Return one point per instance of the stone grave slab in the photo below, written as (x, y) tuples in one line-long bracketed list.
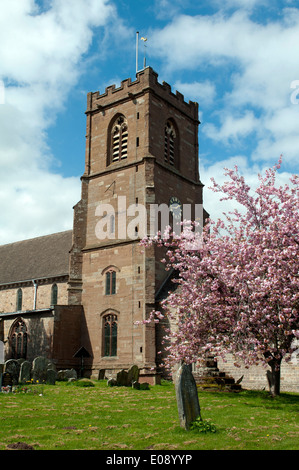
[(187, 397)]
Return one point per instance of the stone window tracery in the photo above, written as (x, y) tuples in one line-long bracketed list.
[(18, 340), (110, 335), (119, 137)]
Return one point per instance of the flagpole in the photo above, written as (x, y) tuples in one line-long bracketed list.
[(137, 39)]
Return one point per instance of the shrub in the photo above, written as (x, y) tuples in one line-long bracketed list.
[(200, 425)]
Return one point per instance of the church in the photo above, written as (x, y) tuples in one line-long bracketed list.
[(79, 294), (85, 289)]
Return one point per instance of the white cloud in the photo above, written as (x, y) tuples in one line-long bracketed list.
[(40, 54), (233, 128), (261, 60), (201, 92)]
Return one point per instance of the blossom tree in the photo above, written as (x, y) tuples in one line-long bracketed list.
[(238, 280)]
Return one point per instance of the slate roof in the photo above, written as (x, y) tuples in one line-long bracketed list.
[(37, 258)]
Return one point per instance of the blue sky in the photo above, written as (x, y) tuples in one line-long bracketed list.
[(238, 59)]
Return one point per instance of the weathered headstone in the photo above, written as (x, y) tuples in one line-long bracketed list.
[(67, 374), (187, 397), (102, 374), (133, 375), (13, 368), (51, 377), (122, 378), (39, 369), (7, 380), (25, 372)]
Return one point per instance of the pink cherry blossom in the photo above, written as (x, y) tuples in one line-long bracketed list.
[(238, 291)]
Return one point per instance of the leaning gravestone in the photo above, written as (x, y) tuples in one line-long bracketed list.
[(122, 378), (25, 372), (187, 397), (133, 375), (13, 368)]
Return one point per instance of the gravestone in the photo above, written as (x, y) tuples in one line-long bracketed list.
[(122, 378), (40, 366), (13, 368), (51, 376), (187, 397), (7, 380), (25, 372), (133, 375), (67, 374)]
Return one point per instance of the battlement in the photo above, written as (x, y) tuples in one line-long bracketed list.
[(146, 79)]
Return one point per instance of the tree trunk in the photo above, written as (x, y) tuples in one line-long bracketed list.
[(273, 377)]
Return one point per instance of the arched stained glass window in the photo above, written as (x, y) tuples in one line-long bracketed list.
[(110, 335)]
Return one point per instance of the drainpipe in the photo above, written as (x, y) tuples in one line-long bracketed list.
[(35, 292)]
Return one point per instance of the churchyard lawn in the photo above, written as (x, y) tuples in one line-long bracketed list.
[(68, 417)]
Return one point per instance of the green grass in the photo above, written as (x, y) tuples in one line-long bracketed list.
[(67, 417)]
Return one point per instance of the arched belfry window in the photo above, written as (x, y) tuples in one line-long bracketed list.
[(170, 143), (119, 139), (18, 340), (110, 282), (110, 335)]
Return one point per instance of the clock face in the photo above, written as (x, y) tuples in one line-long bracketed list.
[(175, 207)]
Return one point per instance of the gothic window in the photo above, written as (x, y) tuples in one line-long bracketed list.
[(110, 282), (54, 294), (170, 143), (18, 340), (19, 300), (110, 335), (119, 140)]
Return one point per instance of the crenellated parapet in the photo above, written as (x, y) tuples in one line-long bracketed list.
[(146, 80)]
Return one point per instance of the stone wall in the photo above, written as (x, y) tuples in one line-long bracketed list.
[(255, 377), (8, 295)]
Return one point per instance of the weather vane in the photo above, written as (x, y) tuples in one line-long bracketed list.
[(137, 43)]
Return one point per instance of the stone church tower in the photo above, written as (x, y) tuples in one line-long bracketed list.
[(141, 151)]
